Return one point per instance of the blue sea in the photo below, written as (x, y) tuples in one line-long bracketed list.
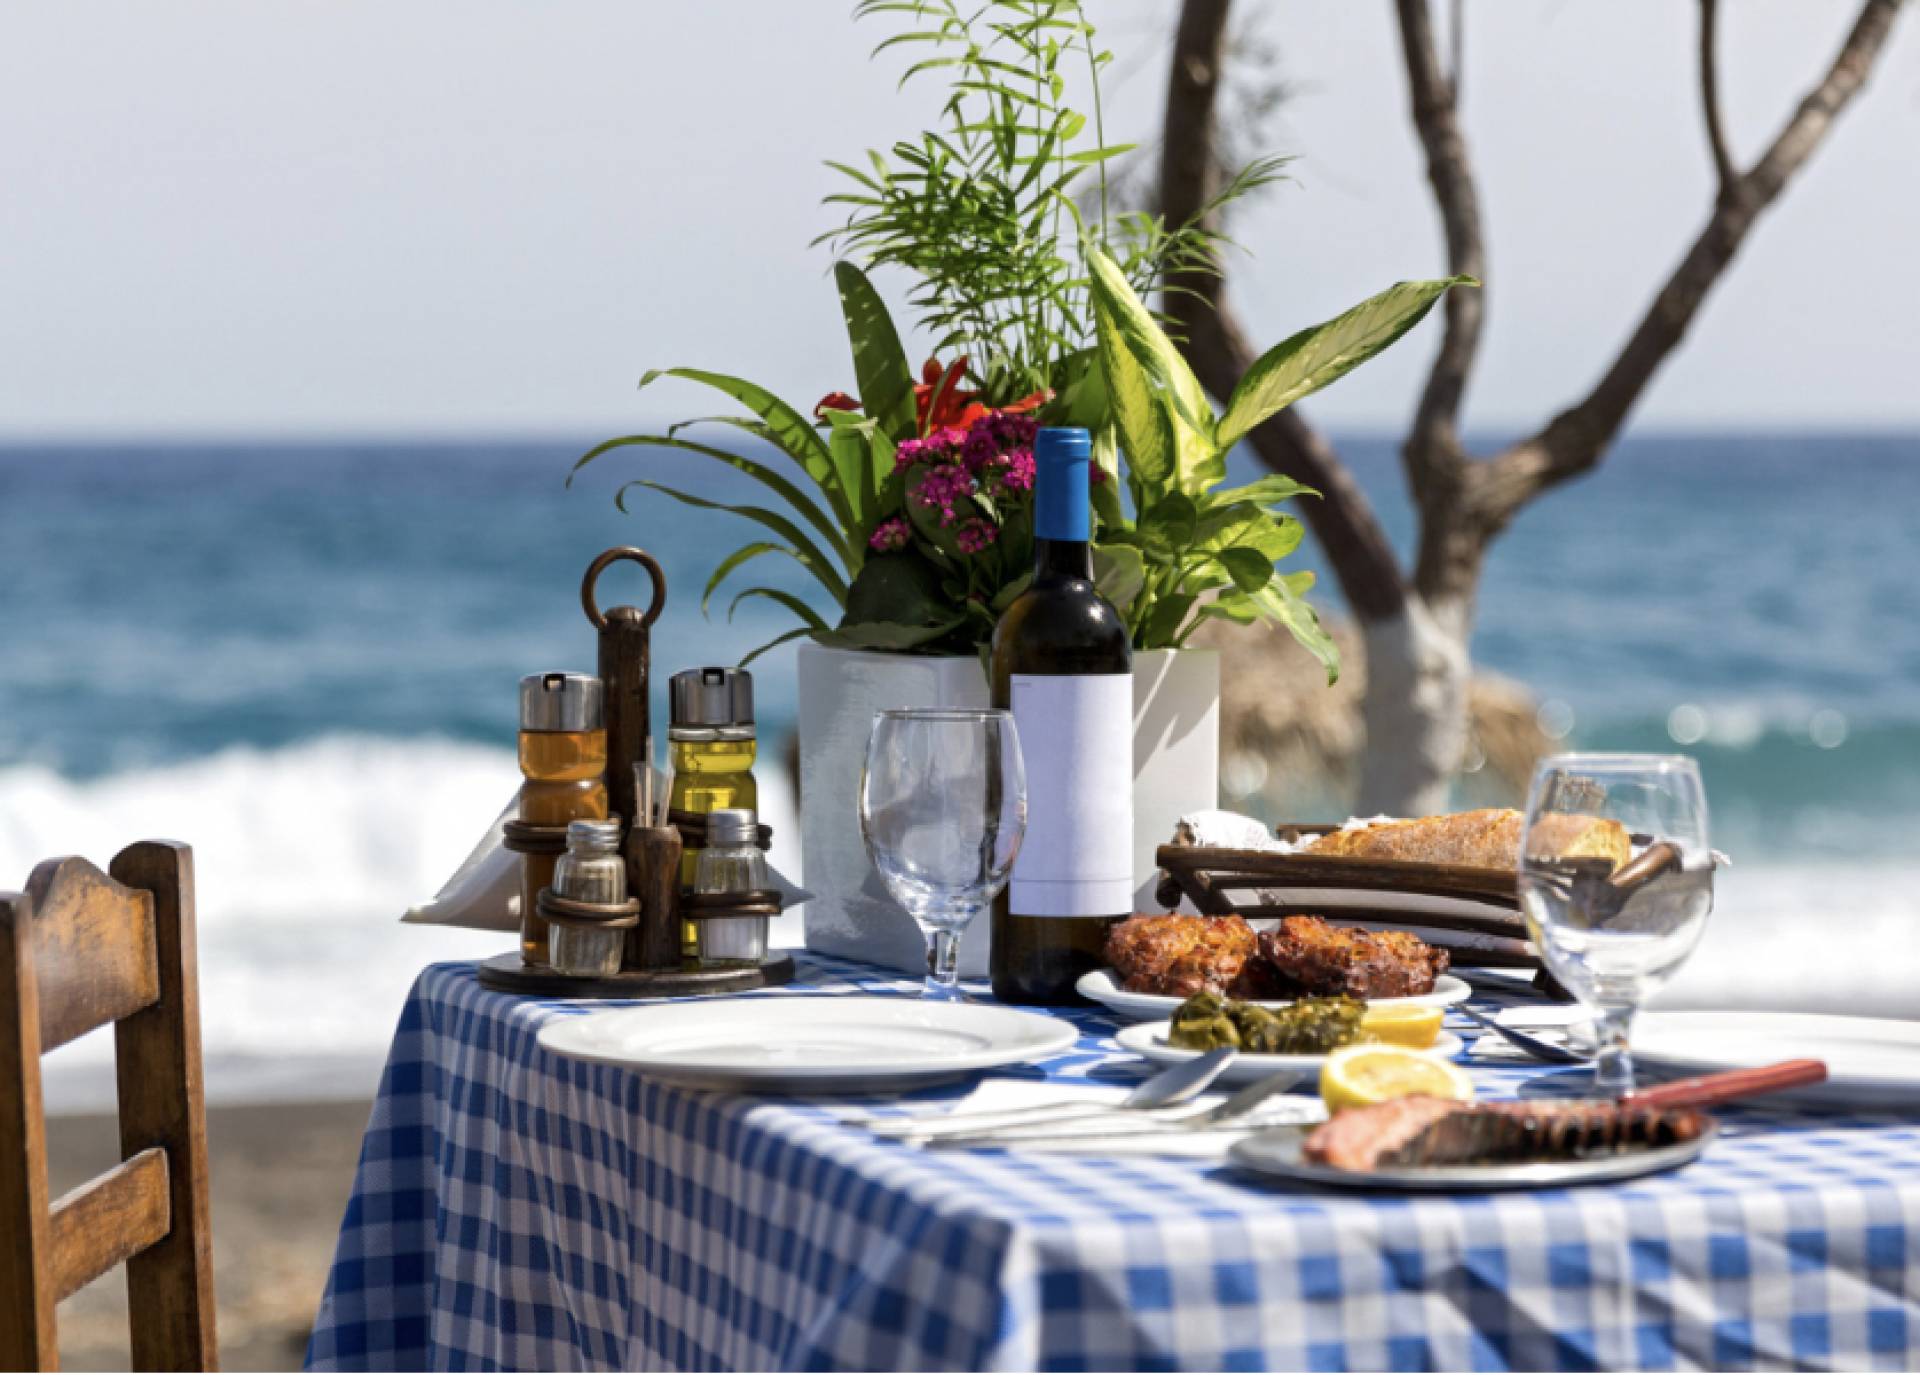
[(302, 659)]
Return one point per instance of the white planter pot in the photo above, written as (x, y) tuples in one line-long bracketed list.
[(1176, 770)]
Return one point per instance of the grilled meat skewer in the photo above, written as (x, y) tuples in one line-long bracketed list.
[(1438, 1131)]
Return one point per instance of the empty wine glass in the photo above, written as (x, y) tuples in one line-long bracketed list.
[(1616, 881), (943, 807)]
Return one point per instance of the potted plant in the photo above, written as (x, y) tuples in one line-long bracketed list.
[(909, 501)]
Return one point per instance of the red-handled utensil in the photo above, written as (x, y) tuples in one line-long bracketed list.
[(1709, 1090)]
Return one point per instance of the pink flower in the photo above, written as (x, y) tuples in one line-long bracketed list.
[(976, 535), (943, 486), (890, 536), (1017, 475), (940, 447)]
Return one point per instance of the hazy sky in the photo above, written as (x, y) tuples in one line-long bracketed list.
[(365, 218)]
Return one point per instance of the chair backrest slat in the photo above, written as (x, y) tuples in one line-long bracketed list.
[(93, 950), (81, 950), (108, 1219)]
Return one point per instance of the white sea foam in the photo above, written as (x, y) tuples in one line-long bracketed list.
[(307, 855), (305, 858)]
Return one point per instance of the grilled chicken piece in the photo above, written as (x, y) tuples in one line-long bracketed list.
[(1179, 956), (1438, 1131), (1324, 959)]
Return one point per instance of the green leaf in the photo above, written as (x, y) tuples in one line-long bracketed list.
[(884, 635), (775, 643), (1106, 493), (835, 536), (1143, 423), (848, 445), (1283, 600), (879, 362), (1168, 524), (1266, 491), (1119, 572), (1323, 353), (1162, 628), (1004, 598), (903, 588), (788, 428), (1250, 569), (733, 561), (786, 599), (803, 549), (1273, 534), (1199, 459)]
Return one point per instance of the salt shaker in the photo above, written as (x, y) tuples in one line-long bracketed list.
[(591, 870), (732, 863)]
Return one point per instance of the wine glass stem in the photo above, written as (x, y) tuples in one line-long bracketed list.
[(943, 963), (1613, 1067)]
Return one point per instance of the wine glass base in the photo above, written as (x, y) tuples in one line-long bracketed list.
[(933, 991)]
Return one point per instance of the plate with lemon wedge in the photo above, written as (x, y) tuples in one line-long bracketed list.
[(1360, 1052)]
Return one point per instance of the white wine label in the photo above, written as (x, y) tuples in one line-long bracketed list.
[(1076, 734)]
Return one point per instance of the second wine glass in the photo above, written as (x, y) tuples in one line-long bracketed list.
[(943, 808), (1616, 880)]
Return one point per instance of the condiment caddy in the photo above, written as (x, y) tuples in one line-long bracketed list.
[(573, 819)]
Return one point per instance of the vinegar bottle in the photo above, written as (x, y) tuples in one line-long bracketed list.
[(563, 758), (1063, 664), (713, 745)]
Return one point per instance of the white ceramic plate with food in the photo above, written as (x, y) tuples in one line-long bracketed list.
[(1279, 1153), (1872, 1062), (810, 1044), (1103, 986), (1150, 1039)]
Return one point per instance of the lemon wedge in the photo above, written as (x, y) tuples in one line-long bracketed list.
[(1402, 1024), (1361, 1075)]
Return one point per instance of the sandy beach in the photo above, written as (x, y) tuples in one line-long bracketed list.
[(281, 1175)]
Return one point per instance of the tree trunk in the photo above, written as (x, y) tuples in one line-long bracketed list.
[(1415, 709)]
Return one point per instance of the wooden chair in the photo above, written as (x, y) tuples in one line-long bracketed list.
[(79, 950)]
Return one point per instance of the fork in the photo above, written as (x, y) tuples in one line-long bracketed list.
[(1222, 1115), (1169, 1088)]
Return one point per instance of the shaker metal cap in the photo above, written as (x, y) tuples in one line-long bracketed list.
[(711, 697), (562, 701), (591, 833), (732, 826)]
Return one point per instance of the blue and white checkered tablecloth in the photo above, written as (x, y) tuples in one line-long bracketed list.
[(515, 1209)]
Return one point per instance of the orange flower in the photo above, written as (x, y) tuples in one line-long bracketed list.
[(942, 405), (938, 400), (835, 401)]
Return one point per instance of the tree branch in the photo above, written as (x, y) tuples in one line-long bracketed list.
[(1342, 520), (1723, 168), (1574, 440), (1433, 454)]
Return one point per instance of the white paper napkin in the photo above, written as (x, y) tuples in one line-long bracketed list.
[(995, 1094)]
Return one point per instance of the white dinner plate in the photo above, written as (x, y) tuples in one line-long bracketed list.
[(1150, 1039), (1279, 1153), (810, 1044), (1872, 1062), (1103, 986)]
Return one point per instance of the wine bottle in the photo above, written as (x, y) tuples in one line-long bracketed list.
[(1063, 665)]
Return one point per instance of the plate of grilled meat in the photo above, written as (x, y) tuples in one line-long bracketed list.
[(1427, 1142), (1158, 962), (1422, 1143)]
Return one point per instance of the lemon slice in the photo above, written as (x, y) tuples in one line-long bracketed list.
[(1362, 1075), (1402, 1024)]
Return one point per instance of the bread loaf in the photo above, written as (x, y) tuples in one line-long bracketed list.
[(1485, 839)]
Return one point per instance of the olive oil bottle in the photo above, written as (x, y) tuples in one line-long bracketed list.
[(713, 746), (1063, 664)]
